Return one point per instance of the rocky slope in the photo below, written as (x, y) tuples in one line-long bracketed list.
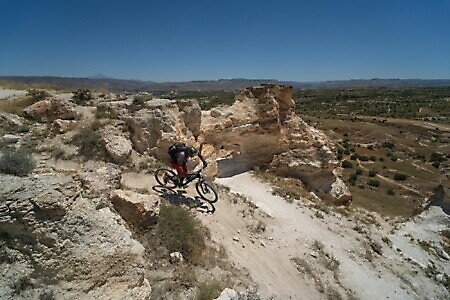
[(84, 223)]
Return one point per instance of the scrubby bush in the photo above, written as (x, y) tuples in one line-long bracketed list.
[(180, 231), (363, 158), (16, 162), (209, 290), (374, 183), (352, 178), (347, 165), (141, 99), (359, 171), (391, 192), (354, 156), (81, 96), (400, 176), (372, 173), (88, 141), (37, 95), (436, 164)]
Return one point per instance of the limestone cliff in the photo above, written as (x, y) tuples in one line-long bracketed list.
[(261, 128)]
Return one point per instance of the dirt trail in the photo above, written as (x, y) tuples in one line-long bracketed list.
[(295, 251), (306, 254)]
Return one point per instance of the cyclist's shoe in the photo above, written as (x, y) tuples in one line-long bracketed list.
[(175, 180)]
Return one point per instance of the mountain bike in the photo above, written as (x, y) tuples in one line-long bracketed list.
[(167, 177)]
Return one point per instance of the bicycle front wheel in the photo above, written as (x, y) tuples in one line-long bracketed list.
[(163, 177), (207, 191)]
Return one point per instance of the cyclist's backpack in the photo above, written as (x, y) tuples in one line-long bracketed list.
[(175, 148)]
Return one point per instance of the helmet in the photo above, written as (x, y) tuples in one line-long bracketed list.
[(192, 150)]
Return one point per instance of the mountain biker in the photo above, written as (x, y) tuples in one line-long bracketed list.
[(179, 155)]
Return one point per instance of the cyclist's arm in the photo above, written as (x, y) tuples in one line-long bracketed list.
[(201, 156)]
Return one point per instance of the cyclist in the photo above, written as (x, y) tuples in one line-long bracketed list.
[(179, 155)]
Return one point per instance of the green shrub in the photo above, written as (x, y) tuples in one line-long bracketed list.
[(400, 176), (363, 158), (436, 164), (37, 95), (354, 156), (141, 99), (359, 171), (372, 173), (391, 192), (16, 162), (105, 112), (180, 231), (209, 290), (347, 165), (352, 178), (374, 183), (88, 141), (81, 96), (373, 158)]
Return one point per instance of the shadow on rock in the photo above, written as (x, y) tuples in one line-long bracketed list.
[(179, 197)]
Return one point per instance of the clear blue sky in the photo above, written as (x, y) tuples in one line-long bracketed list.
[(163, 40)]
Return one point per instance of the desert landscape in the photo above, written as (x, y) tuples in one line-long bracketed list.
[(324, 193)]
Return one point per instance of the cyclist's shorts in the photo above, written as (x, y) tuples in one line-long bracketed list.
[(176, 167)]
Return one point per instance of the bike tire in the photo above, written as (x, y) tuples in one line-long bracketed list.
[(207, 191), (163, 177)]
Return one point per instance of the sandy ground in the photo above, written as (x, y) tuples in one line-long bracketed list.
[(296, 251), (11, 94)]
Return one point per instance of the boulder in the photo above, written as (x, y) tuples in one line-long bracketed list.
[(228, 294), (49, 110), (99, 178), (116, 142), (136, 209), (10, 138), (62, 126), (8, 120)]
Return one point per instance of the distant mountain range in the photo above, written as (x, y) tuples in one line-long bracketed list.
[(100, 81)]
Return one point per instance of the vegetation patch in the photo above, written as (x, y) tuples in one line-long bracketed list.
[(181, 231), (88, 141), (208, 290), (16, 106), (400, 176), (16, 162), (82, 96)]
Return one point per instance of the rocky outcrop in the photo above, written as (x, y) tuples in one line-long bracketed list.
[(10, 138), (10, 121), (117, 142), (136, 209), (99, 178), (158, 123), (56, 244), (49, 110), (261, 128), (62, 126)]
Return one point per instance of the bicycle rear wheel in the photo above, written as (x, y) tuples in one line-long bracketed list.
[(163, 177), (207, 191)]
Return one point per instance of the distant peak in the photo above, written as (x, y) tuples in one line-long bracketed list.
[(99, 76)]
